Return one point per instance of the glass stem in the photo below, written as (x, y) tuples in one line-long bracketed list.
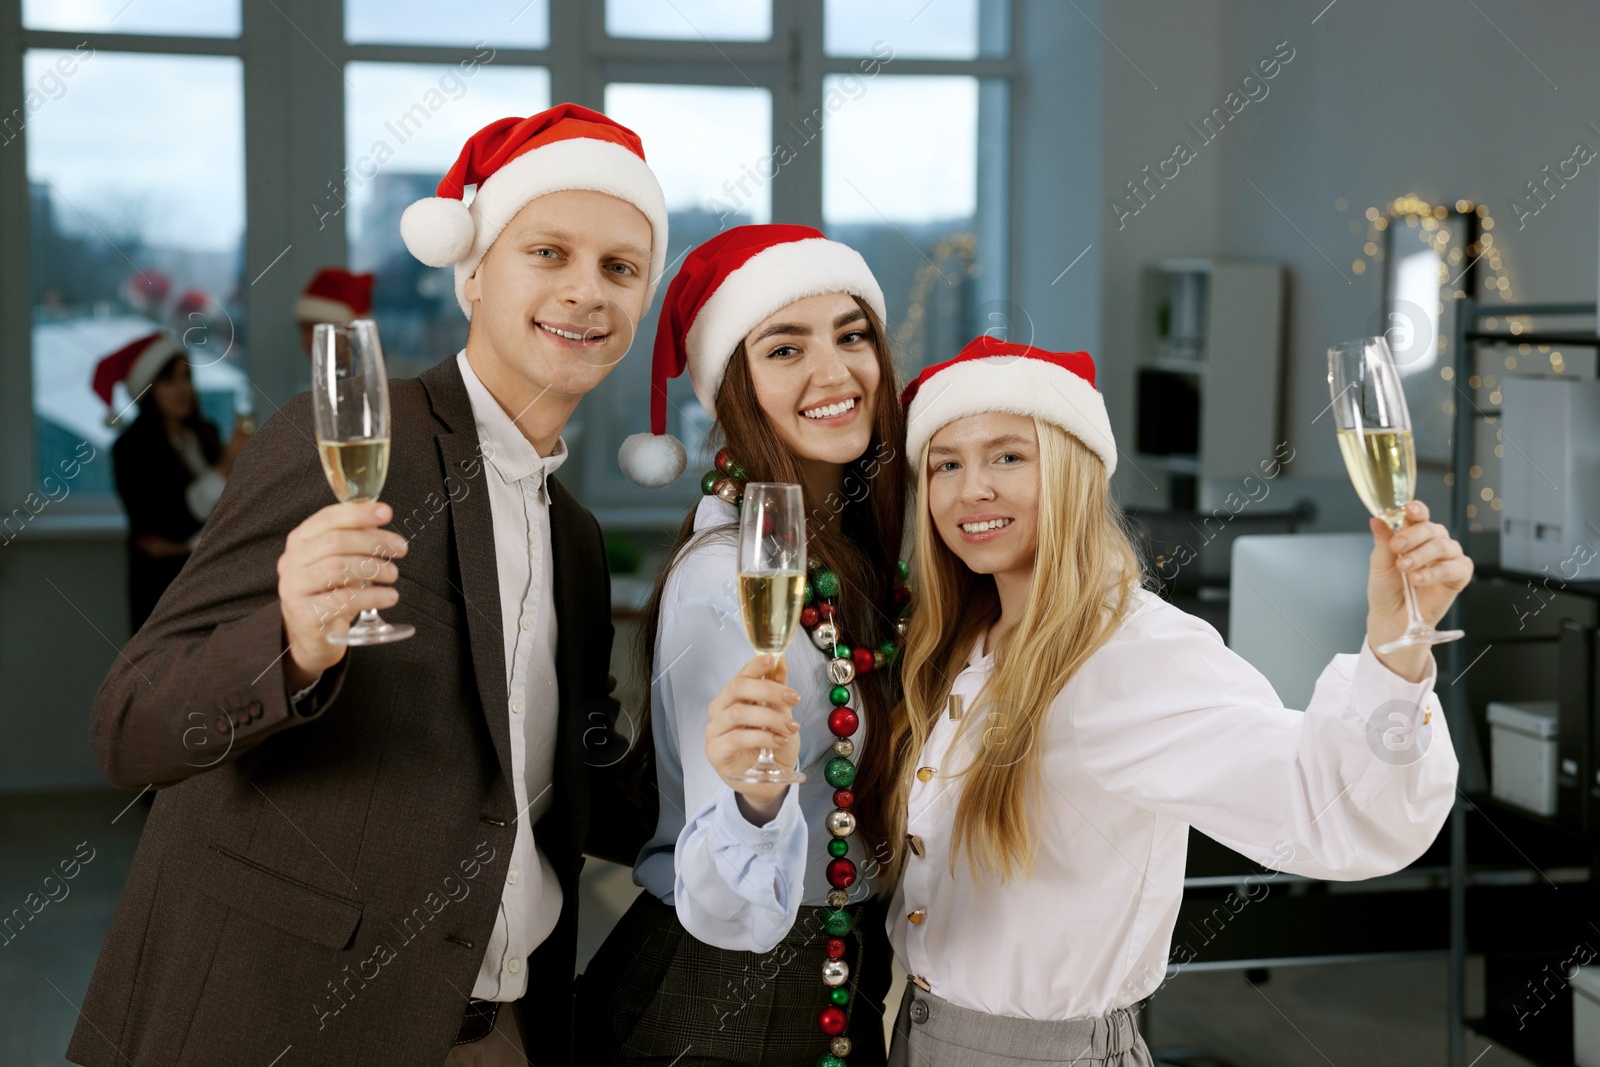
[(1413, 614)]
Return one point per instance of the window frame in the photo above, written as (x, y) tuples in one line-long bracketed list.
[(294, 54)]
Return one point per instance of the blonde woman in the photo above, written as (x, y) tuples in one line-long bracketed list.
[(1062, 729)]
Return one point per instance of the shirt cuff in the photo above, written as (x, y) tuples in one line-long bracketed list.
[(302, 694), (1373, 683), (732, 826)]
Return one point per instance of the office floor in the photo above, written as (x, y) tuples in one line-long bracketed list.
[(1354, 1015)]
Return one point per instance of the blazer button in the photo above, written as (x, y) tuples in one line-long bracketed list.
[(919, 1011), (924, 774), (255, 710), (916, 917), (222, 724), (915, 844)]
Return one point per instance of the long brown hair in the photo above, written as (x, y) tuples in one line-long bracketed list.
[(1085, 572), (863, 550)]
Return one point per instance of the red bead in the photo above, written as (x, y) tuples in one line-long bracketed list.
[(901, 594), (843, 722), (843, 798), (808, 617), (862, 658), (841, 873), (832, 1020), (723, 460), (835, 948), (827, 611)]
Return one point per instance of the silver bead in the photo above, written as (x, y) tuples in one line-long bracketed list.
[(844, 747), (879, 660), (838, 898), (902, 626), (835, 972), (841, 671), (840, 1046), (825, 635), (841, 823), (729, 490)]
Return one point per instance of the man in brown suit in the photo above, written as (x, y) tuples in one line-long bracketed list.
[(338, 868)]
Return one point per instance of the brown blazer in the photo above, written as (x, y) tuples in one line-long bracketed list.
[(327, 882)]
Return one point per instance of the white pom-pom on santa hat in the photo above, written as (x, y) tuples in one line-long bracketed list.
[(653, 461), (438, 230)]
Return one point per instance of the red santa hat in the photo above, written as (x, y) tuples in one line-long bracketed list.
[(136, 364), (725, 288), (147, 288), (515, 160), (193, 301), (994, 375), (335, 295)]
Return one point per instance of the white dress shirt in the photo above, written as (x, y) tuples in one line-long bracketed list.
[(734, 885), (515, 476), (1163, 728)]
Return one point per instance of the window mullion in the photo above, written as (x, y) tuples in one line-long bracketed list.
[(16, 289), (797, 185), (294, 186), (574, 75)]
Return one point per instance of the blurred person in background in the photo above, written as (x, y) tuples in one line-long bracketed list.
[(170, 463)]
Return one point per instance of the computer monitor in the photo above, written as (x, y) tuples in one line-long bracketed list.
[(1295, 601)]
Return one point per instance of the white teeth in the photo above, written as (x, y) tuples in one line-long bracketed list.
[(981, 527), (830, 411), (568, 334)]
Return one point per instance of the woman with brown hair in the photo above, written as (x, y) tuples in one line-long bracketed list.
[(759, 935), (1063, 728)]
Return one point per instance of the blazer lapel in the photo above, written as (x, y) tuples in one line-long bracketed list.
[(473, 524)]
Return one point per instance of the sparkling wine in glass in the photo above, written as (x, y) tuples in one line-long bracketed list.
[(350, 402), (772, 589), (1374, 428)]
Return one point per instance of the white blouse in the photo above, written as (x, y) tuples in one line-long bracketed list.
[(1163, 728), (734, 884)]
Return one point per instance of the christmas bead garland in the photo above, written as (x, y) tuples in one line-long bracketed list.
[(819, 618)]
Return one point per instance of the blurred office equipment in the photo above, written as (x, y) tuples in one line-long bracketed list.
[(1550, 522), (1522, 754), (1210, 346)]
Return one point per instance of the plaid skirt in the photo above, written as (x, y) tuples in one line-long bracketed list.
[(654, 995)]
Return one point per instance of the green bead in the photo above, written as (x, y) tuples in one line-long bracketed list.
[(839, 772), (827, 583), (837, 922), (890, 650), (840, 996), (841, 650), (838, 847), (708, 482), (903, 569), (828, 1059), (810, 593), (737, 472), (839, 695)]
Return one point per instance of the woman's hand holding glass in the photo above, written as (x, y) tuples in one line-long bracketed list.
[(753, 712), (1423, 554)]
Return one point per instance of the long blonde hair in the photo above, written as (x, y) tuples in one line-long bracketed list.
[(1085, 573)]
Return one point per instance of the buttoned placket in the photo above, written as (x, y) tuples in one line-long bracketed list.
[(532, 494), (930, 788)]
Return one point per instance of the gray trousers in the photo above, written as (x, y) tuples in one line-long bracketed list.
[(932, 1032)]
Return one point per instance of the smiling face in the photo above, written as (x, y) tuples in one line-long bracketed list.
[(983, 491), (557, 299), (814, 366)]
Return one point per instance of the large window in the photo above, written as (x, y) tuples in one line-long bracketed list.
[(883, 124)]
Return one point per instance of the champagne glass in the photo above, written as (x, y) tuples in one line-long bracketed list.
[(772, 589), (1374, 426), (350, 402)]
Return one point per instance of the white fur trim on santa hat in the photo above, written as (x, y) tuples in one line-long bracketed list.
[(151, 359), (437, 230), (1015, 384), (653, 461), (322, 309), (767, 281), (577, 163)]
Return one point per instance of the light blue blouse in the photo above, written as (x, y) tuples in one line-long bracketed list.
[(734, 884)]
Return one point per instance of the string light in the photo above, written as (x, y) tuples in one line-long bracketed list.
[(1423, 218)]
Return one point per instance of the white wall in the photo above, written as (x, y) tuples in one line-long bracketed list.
[(1380, 99)]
